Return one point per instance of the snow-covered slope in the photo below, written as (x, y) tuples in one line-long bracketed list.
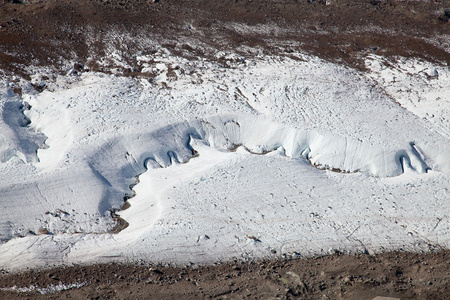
[(269, 156)]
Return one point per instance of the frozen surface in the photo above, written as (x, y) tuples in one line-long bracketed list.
[(267, 157), (419, 86)]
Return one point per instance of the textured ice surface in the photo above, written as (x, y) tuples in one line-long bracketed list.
[(273, 156)]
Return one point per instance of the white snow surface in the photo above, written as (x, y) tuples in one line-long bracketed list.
[(268, 157), (419, 86)]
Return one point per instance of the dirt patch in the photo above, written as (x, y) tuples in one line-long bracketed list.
[(397, 274), (52, 33)]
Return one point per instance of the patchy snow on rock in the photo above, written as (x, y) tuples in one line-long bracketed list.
[(264, 158), (50, 289)]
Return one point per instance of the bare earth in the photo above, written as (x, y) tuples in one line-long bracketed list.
[(50, 33), (399, 275)]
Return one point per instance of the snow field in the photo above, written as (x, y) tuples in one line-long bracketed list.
[(389, 188)]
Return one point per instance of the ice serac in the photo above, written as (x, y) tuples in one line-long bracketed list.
[(171, 144), (163, 147), (332, 152), (135, 153), (17, 139)]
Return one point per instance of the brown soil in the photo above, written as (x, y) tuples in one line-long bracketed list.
[(53, 32), (398, 275)]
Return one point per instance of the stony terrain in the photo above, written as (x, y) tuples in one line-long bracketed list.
[(50, 32), (398, 275)]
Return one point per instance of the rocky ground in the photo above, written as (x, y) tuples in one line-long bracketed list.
[(59, 34), (397, 275), (50, 32)]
